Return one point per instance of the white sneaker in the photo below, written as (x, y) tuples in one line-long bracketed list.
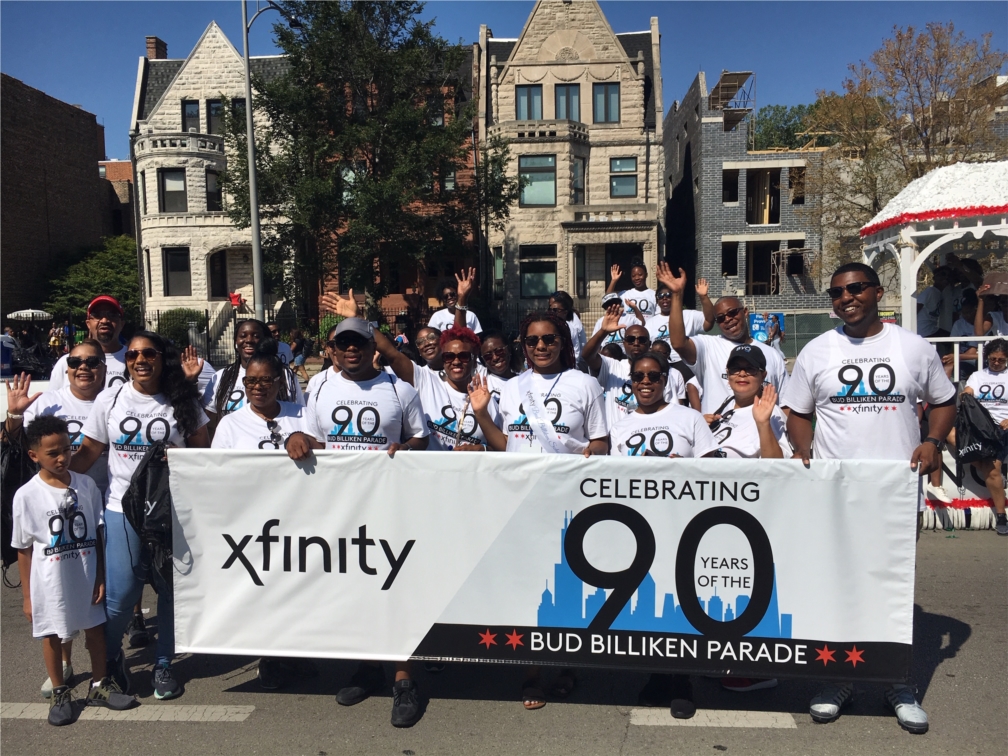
[(826, 706), (47, 686), (937, 493), (910, 715)]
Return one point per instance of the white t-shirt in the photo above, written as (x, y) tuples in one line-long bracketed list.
[(316, 380), (63, 539), (206, 375), (616, 337), (711, 369), (578, 336), (572, 400), (964, 328), (614, 377), (927, 318), (129, 422), (364, 415), (645, 301), (442, 406), (864, 392), (657, 326), (443, 320), (496, 384), (991, 390), (244, 429), (115, 370), (738, 435), (284, 353), (237, 398), (998, 324), (675, 430), (62, 403), (951, 304)]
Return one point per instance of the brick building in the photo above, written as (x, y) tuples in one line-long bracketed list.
[(52, 201), (739, 218), (117, 179), (581, 109)]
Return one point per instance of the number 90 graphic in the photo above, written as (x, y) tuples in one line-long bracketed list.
[(624, 582)]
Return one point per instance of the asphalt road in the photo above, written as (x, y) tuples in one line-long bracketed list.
[(961, 669)]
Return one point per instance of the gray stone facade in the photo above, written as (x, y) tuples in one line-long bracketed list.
[(710, 234)]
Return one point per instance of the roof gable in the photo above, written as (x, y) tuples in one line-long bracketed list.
[(561, 30)]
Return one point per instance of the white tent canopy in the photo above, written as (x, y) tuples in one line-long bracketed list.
[(946, 205), (29, 315)]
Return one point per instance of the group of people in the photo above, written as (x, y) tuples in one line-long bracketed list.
[(677, 392)]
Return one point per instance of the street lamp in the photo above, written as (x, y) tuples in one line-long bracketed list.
[(258, 292)]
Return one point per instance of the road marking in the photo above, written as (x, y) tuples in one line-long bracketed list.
[(715, 718), (147, 713)]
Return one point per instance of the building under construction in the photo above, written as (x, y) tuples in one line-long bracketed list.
[(738, 217)]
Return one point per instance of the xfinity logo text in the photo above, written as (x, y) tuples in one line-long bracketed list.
[(304, 542)]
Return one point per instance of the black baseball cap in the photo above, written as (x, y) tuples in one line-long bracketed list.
[(610, 299), (747, 354)]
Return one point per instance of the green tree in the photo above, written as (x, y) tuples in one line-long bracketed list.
[(358, 148), (110, 270), (780, 126)]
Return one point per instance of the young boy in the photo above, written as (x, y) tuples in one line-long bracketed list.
[(56, 519)]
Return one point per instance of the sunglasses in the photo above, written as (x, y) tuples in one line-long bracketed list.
[(498, 353), (428, 340), (104, 315), (653, 376), (663, 295), (343, 343), (548, 340), (92, 362), (264, 381), (462, 357), (747, 369), (835, 292), (276, 438), (727, 314), (637, 339), (149, 353)]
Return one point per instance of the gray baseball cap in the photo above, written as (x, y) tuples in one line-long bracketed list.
[(610, 299), (354, 325)]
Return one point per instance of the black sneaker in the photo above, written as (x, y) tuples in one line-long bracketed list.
[(165, 684), (61, 706), (106, 693), (1001, 525), (681, 690), (137, 632), (117, 671), (269, 677), (405, 704), (657, 692), (366, 681)]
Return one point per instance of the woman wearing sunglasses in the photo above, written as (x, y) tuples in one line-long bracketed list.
[(659, 428), (497, 358), (750, 424), (990, 387), (226, 392), (85, 378), (444, 394), (157, 404)]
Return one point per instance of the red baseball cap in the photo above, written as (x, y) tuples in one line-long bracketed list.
[(105, 299)]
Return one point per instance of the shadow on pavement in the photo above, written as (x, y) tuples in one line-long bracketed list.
[(937, 637)]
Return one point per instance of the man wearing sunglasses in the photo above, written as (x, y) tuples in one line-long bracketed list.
[(695, 322), (105, 322), (706, 355), (860, 385)]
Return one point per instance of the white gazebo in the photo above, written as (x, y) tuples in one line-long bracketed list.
[(962, 208)]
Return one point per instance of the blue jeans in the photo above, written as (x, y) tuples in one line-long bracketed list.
[(124, 582)]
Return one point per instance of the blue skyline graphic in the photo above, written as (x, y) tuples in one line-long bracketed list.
[(566, 607)]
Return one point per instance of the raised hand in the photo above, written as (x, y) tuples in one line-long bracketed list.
[(702, 287), (632, 304), (611, 318), (465, 284), (18, 398), (479, 394), (615, 273), (337, 304), (763, 404), (192, 365), (677, 284)]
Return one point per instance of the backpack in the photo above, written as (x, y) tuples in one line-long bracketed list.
[(16, 469), (147, 505), (977, 435)]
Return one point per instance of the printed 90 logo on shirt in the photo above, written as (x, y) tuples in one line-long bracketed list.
[(871, 384), (659, 445)]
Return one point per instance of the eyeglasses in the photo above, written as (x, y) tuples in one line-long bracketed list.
[(997, 360), (548, 339), (663, 295), (727, 314), (835, 292), (449, 294), (462, 357), (149, 353), (265, 381), (653, 376), (637, 339), (747, 369), (428, 340), (276, 438), (498, 353), (104, 315), (345, 342), (92, 362)]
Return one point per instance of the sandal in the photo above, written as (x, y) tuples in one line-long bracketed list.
[(564, 685), (532, 696)]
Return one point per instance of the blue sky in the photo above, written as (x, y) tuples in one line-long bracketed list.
[(86, 52)]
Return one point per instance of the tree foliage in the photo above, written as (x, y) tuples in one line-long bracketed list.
[(925, 99), (110, 270), (780, 126), (358, 147)]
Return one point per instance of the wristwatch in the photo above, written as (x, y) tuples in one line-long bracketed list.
[(933, 440)]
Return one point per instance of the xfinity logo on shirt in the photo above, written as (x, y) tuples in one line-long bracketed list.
[(322, 551)]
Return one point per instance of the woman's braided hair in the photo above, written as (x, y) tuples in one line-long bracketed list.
[(229, 377), (567, 359)]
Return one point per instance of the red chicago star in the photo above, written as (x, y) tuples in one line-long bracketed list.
[(825, 654), (488, 638), (854, 656), (514, 639)]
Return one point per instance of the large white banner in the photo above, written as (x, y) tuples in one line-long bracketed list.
[(758, 567)]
